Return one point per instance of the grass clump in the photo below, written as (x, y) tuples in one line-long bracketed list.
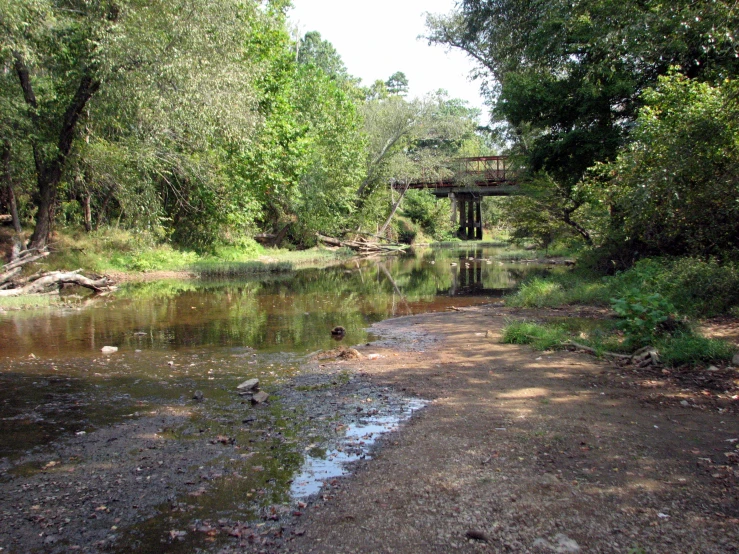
[(560, 289), (541, 337), (215, 269), (688, 348)]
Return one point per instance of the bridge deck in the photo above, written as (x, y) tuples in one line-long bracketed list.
[(481, 176)]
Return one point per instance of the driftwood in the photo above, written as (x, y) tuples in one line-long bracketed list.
[(44, 281), (362, 246), (642, 357), (594, 351)]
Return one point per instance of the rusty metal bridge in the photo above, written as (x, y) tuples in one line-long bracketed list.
[(465, 181)]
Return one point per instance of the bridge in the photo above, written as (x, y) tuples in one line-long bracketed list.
[(465, 182)]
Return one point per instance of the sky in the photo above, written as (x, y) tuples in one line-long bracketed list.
[(376, 39)]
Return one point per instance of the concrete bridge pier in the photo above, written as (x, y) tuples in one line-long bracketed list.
[(470, 215)]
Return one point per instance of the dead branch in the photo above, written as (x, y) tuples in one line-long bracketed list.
[(596, 352), (23, 259)]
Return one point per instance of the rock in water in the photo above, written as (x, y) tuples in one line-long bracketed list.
[(259, 398), (251, 384), (109, 349)]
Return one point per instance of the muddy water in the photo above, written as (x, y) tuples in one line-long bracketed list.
[(175, 338)]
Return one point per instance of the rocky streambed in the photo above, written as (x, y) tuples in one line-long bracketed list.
[(199, 473)]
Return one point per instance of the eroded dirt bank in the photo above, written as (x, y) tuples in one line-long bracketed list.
[(521, 451)]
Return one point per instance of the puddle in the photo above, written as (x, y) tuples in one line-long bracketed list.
[(356, 445)]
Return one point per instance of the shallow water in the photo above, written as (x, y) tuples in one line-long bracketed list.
[(175, 338)]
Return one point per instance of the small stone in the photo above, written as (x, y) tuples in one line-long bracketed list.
[(712, 368), (260, 398), (684, 403), (198, 396), (109, 349), (476, 535), (251, 384), (735, 359)]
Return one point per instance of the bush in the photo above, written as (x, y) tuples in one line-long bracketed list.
[(697, 288), (641, 316)]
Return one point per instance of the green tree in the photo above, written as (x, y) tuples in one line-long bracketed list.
[(397, 83), (675, 188), (312, 49), (565, 78), (142, 77)]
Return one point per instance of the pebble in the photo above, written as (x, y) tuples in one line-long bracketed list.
[(250, 384)]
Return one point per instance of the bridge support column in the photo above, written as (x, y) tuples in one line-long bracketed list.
[(478, 218), (462, 216), (470, 219), (453, 198)]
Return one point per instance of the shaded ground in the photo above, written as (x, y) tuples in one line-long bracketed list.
[(533, 452)]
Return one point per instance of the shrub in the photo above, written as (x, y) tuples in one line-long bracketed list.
[(697, 288), (641, 316)]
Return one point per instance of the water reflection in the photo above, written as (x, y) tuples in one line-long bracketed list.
[(288, 313)]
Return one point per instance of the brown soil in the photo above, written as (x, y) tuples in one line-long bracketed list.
[(523, 451)]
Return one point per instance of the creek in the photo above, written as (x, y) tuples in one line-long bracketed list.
[(57, 388)]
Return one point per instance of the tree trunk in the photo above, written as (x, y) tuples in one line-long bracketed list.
[(49, 171), (87, 211), (395, 209)]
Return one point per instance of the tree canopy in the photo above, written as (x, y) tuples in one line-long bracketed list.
[(568, 80), (201, 123)]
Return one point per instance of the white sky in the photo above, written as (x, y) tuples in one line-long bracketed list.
[(376, 39)]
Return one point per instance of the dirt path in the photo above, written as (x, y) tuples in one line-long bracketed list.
[(521, 451)]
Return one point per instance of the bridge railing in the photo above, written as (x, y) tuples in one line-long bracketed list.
[(483, 170)]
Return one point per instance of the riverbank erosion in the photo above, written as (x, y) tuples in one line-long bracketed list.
[(520, 451)]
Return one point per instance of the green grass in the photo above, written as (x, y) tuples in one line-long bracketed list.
[(31, 301), (120, 250), (560, 289), (681, 349), (216, 269), (692, 349), (541, 337)]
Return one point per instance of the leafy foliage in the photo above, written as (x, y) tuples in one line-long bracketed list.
[(567, 81), (641, 316), (674, 188)]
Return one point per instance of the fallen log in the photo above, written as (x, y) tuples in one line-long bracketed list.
[(59, 278), (6, 276)]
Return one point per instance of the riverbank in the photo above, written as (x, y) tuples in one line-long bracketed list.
[(524, 451)]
